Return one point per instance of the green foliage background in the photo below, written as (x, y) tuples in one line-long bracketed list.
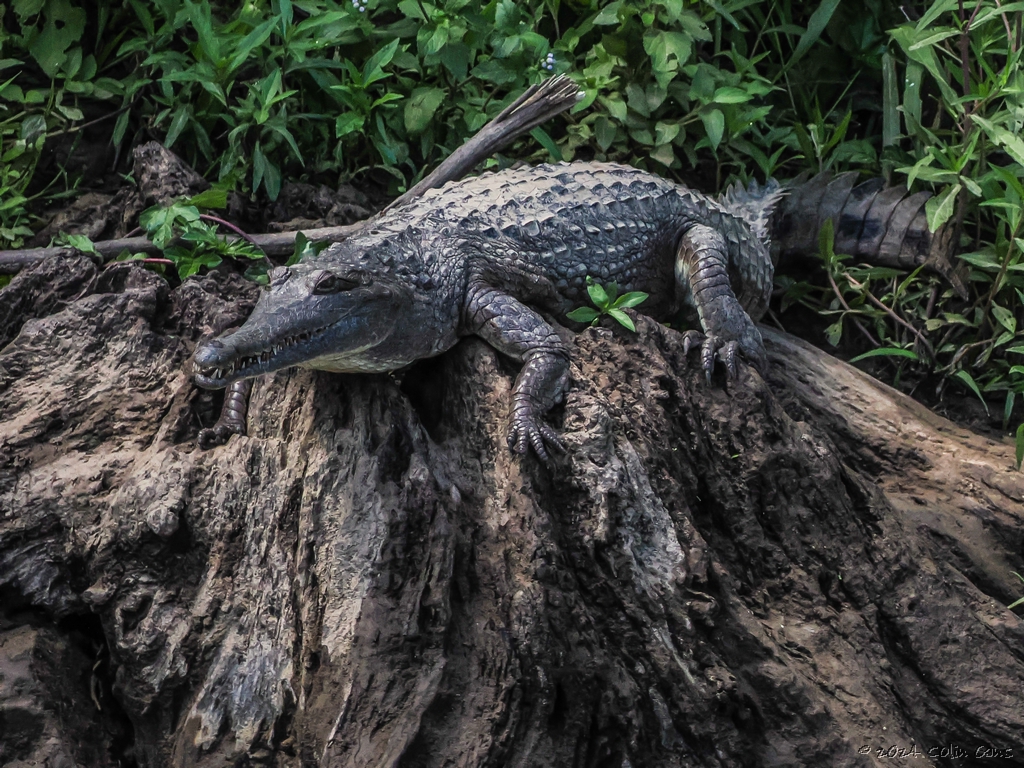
[(252, 94)]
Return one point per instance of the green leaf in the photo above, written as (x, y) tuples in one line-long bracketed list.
[(456, 57), (495, 71), (189, 264), (178, 123), (826, 243), (583, 315), (211, 198), (199, 15), (71, 113), (714, 124), (905, 37), (730, 95), (64, 26), (939, 209), (420, 109), (664, 154), (890, 101), (1005, 318), (305, 248), (120, 127), (604, 132), (80, 243), (668, 50), (631, 299), (1020, 458), (609, 15), (938, 8), (887, 352), (259, 167), (598, 295), (967, 379), (374, 69), (251, 41), (1011, 142), (912, 97), (624, 320), (834, 333), (26, 8), (349, 122), (412, 10), (615, 105), (1011, 397), (545, 140), (815, 26), (665, 133)]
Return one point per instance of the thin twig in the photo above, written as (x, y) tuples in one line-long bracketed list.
[(856, 321), (1009, 31), (964, 49), (228, 225), (920, 336), (83, 126), (932, 298)]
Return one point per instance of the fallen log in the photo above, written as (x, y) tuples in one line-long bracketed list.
[(808, 570)]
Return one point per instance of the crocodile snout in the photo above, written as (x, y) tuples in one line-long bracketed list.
[(210, 353)]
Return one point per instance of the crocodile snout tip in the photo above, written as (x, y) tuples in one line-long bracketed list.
[(209, 353)]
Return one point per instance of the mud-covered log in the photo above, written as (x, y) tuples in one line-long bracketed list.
[(798, 571)]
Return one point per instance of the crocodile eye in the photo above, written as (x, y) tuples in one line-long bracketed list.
[(328, 282)]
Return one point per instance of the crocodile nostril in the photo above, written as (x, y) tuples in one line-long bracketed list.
[(209, 353)]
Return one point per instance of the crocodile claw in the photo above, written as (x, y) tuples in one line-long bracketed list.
[(218, 434), (527, 432), (726, 350)]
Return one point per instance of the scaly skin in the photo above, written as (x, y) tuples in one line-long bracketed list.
[(491, 256)]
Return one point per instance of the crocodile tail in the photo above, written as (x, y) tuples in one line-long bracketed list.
[(886, 226)]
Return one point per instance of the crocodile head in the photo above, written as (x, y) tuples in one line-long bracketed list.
[(322, 314)]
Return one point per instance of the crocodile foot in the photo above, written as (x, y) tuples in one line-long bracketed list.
[(530, 432), (725, 349), (218, 434)]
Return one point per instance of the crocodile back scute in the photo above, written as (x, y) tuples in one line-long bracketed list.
[(569, 220)]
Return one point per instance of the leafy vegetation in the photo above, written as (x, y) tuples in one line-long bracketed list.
[(253, 94), (607, 301), (957, 116)]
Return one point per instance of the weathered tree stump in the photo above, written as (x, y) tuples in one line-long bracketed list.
[(801, 571)]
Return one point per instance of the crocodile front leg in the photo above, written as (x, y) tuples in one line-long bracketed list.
[(702, 271), (519, 332), (232, 415)]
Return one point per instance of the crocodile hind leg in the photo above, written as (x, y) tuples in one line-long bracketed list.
[(519, 332), (232, 415), (702, 271)]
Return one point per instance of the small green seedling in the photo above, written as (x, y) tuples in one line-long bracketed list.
[(607, 302), (1020, 602)]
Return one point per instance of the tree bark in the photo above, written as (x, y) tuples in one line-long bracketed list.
[(799, 571)]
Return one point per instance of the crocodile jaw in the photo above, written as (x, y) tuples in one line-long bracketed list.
[(292, 325), (219, 362)]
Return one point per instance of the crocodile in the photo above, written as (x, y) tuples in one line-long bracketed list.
[(499, 256)]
